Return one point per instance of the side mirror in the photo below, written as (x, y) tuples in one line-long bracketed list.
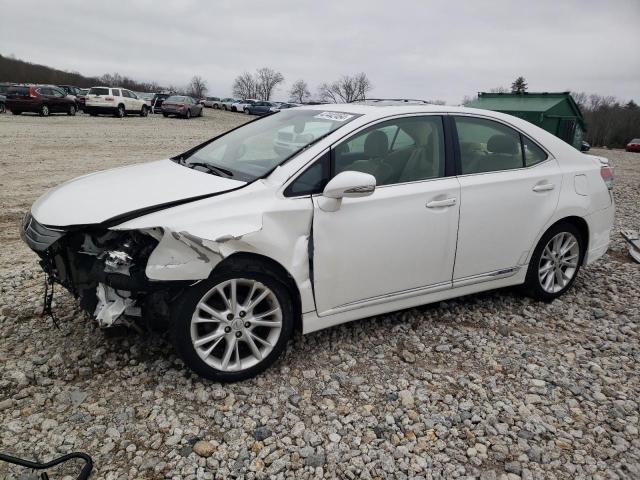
[(349, 184)]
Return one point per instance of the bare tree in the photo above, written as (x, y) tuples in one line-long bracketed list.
[(244, 86), (499, 90), (197, 87), (299, 91), (346, 89), (267, 79)]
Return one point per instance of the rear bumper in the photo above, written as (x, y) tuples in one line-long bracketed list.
[(173, 111), (99, 109), (600, 226)]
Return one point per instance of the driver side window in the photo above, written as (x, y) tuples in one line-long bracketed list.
[(402, 150)]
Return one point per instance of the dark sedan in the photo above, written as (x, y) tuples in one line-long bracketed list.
[(181, 106), (259, 108)]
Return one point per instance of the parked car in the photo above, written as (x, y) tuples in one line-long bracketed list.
[(633, 145), (181, 106), (225, 103), (147, 97), (292, 138), (3, 98), (259, 108), (114, 101), (70, 89), (240, 105), (41, 99), (585, 146), (211, 102), (81, 98), (283, 106), (234, 246), (156, 103)]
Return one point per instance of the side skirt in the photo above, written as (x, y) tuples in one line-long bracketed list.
[(311, 322)]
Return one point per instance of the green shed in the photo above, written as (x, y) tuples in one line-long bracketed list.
[(557, 113)]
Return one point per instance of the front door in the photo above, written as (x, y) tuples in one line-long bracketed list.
[(509, 191), (401, 238)]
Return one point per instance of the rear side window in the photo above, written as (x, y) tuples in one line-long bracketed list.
[(532, 153), (99, 91), (18, 91), (115, 92)]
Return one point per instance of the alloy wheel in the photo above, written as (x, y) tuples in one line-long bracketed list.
[(559, 262), (236, 324), (44, 111)]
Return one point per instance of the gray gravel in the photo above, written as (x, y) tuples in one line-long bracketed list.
[(490, 386)]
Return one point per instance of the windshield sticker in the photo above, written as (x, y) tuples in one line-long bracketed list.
[(334, 116)]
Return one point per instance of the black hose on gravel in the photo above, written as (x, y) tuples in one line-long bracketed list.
[(84, 473)]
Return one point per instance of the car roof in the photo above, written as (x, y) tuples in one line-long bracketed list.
[(389, 110)]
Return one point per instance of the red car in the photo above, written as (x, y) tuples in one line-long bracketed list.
[(633, 145), (42, 99)]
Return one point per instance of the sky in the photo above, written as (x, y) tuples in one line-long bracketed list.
[(408, 48)]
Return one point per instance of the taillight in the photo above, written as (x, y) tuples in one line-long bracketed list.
[(606, 172)]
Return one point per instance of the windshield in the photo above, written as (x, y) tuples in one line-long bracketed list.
[(253, 150)]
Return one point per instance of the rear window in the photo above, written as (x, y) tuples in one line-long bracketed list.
[(177, 98), (99, 91), (635, 140)]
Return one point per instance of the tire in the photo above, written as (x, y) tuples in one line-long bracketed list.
[(3, 109), (247, 112), (225, 108), (44, 111), (16, 112), (233, 329), (72, 110), (144, 112), (550, 275), (93, 114), (187, 115), (201, 112), (120, 111), (165, 115), (216, 106)]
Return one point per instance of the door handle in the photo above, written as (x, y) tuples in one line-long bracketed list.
[(447, 202), (543, 187)]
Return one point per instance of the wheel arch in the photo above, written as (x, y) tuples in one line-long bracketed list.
[(245, 259), (579, 222)]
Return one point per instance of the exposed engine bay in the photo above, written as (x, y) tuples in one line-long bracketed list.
[(104, 270)]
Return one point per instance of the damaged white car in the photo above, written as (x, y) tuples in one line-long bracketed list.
[(236, 244)]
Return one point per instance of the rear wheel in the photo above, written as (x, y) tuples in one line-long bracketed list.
[(233, 325), (555, 262), (225, 108), (44, 111), (120, 111), (246, 111), (72, 110), (165, 115)]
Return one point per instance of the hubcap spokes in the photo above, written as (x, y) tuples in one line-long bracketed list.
[(558, 262), (236, 324)]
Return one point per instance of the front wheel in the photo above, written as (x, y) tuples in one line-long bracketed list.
[(187, 115), (246, 111), (144, 112), (2, 108), (555, 262), (234, 325), (44, 111), (72, 110)]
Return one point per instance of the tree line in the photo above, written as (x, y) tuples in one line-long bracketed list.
[(610, 122), (263, 83)]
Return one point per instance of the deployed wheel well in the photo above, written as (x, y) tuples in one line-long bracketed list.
[(270, 266), (582, 227)]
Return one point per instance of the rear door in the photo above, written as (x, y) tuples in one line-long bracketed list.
[(509, 190)]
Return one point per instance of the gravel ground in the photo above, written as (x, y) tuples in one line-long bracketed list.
[(490, 386)]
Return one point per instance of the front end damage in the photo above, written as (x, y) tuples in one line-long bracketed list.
[(105, 271)]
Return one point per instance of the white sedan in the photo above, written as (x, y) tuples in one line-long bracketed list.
[(234, 244)]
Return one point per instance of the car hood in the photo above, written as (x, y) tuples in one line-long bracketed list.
[(107, 195)]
